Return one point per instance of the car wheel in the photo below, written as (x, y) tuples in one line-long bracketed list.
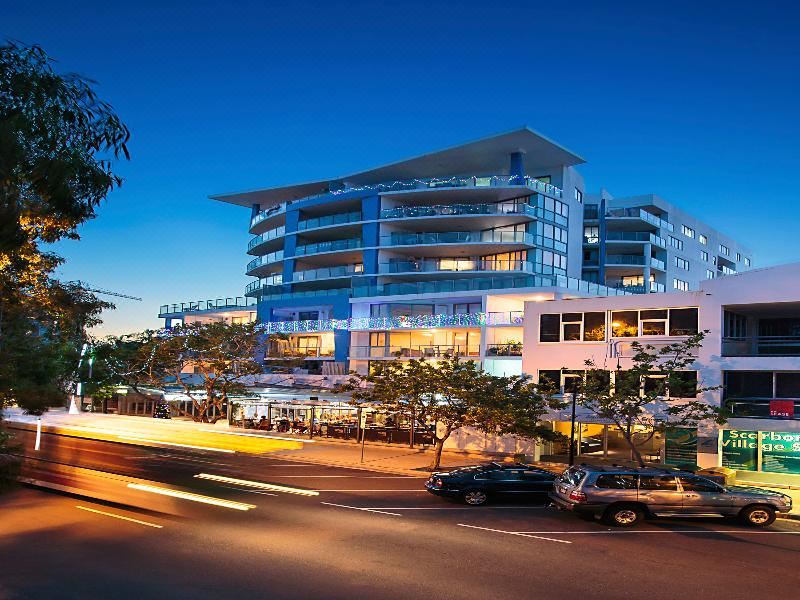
[(758, 516), (475, 497), (624, 515)]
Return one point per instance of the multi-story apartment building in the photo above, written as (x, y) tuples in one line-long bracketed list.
[(437, 254), (646, 244), (750, 358)]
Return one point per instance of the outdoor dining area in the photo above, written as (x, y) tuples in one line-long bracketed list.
[(328, 419)]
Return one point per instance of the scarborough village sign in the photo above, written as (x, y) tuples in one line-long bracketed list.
[(769, 451)]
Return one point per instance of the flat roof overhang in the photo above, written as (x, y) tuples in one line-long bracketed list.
[(486, 156)]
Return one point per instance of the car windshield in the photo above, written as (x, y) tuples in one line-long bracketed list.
[(573, 475)]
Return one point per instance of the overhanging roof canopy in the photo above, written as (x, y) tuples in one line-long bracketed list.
[(486, 156)]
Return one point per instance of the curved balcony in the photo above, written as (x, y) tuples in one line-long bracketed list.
[(260, 286), (455, 265), (617, 260), (331, 246), (458, 237), (415, 351), (640, 214), (268, 236), (262, 261), (329, 221), (327, 273), (267, 215)]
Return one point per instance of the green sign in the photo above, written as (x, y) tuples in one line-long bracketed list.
[(780, 452), (680, 447), (740, 450)]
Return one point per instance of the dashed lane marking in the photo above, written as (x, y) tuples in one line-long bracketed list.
[(372, 510), (122, 518), (517, 533)]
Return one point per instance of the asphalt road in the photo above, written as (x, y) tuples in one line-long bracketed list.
[(365, 535)]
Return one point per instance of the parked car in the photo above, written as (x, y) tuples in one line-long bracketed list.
[(162, 411), (477, 485), (624, 496)]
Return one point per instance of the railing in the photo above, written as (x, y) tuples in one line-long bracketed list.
[(457, 237), (486, 283), (264, 260), (513, 317), (300, 352), (635, 260), (331, 246), (450, 265), (263, 283), (200, 305), (415, 351), (269, 212), (758, 408), (328, 220), (410, 212), (635, 236), (642, 214), (764, 345), (640, 289), (272, 234), (457, 182), (327, 272), (306, 294), (507, 349)]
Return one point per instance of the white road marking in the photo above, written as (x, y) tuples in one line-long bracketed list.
[(256, 435), (345, 477), (701, 531), (107, 514), (382, 512), (141, 439), (415, 491), (257, 484), (192, 497), (527, 535), (457, 508)]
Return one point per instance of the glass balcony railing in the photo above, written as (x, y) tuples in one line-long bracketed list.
[(762, 345), (507, 349), (457, 265), (328, 273), (259, 261), (758, 408), (304, 294), (513, 317), (410, 212), (294, 352), (329, 220), (331, 246), (266, 214), (457, 182), (415, 351), (636, 236), (639, 213), (634, 260), (272, 234), (486, 283), (457, 237), (201, 305), (638, 288), (263, 283)]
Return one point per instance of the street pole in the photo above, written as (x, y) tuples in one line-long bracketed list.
[(38, 433), (572, 434), (311, 425), (411, 443)]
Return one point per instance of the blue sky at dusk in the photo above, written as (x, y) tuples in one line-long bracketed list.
[(694, 101)]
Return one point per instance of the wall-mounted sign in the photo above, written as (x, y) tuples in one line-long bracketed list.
[(781, 409), (680, 447), (740, 450), (780, 452)]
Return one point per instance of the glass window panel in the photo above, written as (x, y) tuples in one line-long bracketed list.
[(683, 384), (550, 376), (572, 332), (658, 482), (683, 321), (654, 385), (787, 385), (625, 323), (748, 384), (653, 314), (549, 329), (594, 327), (654, 327)]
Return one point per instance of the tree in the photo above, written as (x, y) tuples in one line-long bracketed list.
[(656, 392), (214, 358), (56, 138)]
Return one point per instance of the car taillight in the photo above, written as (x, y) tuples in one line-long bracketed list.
[(577, 496), (436, 482)]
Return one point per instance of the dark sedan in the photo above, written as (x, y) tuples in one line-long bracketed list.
[(477, 485)]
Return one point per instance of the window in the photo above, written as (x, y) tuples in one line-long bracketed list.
[(683, 321), (709, 274), (681, 263), (571, 327), (748, 384), (591, 234), (704, 255), (594, 327), (738, 257), (683, 384), (688, 231), (550, 376), (505, 475), (734, 325), (746, 262), (579, 195), (675, 242), (787, 385), (467, 309), (625, 323), (724, 250), (698, 484), (658, 482), (572, 381), (543, 178), (653, 322), (655, 385), (549, 328), (703, 239), (680, 284), (616, 482)]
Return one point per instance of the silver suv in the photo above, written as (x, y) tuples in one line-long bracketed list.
[(623, 496)]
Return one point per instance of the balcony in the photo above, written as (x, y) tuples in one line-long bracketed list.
[(760, 408), (329, 221), (513, 317), (272, 211), (421, 351), (331, 246), (295, 352), (267, 236), (507, 349), (455, 265), (237, 303), (487, 283), (636, 236), (450, 210), (763, 345), (304, 294), (639, 288), (487, 181), (457, 237), (634, 260), (639, 213), (261, 261), (256, 288), (327, 273)]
